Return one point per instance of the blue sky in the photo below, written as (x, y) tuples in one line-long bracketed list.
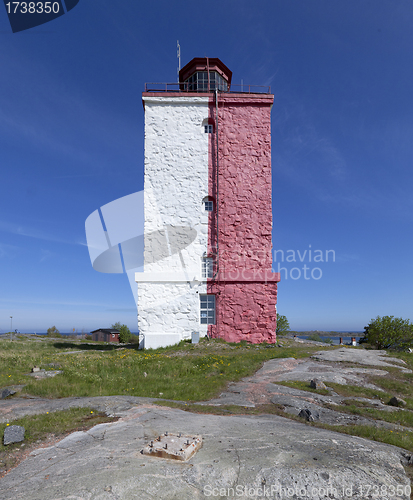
[(71, 140)]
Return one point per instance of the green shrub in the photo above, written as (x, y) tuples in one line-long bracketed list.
[(124, 334), (316, 337), (53, 332), (282, 324), (388, 332)]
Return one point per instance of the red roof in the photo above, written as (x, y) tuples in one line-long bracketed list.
[(202, 64)]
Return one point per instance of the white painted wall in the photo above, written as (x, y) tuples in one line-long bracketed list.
[(176, 229)]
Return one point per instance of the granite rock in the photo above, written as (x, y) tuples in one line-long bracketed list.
[(309, 415), (5, 393), (13, 434), (317, 384), (395, 401)]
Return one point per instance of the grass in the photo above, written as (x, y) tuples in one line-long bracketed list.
[(57, 422), (185, 372), (270, 409), (357, 391), (400, 438), (53, 424), (395, 384), (399, 417), (303, 386), (342, 390)]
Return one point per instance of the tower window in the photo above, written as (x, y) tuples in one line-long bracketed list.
[(208, 125), (207, 309), (209, 205), (207, 267)]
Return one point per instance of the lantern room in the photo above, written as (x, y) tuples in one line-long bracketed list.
[(204, 74)]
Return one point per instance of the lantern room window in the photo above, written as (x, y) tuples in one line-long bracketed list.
[(198, 82)]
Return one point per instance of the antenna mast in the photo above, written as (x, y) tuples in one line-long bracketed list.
[(178, 55)]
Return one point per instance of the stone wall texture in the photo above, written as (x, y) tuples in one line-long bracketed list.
[(175, 224), (184, 165), (240, 182)]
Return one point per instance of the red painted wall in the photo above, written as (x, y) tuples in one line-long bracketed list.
[(240, 232), (105, 337)]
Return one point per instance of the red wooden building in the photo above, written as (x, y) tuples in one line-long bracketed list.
[(105, 335)]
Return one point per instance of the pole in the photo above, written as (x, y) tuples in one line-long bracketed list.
[(11, 327), (209, 87), (178, 55)]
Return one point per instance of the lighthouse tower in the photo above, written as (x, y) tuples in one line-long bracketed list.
[(207, 210)]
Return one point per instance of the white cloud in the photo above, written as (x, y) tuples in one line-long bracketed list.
[(33, 232)]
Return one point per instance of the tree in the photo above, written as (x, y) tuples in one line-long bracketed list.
[(389, 332), (282, 324), (53, 332), (124, 332)]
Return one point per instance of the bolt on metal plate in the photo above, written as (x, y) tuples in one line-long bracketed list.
[(174, 446)]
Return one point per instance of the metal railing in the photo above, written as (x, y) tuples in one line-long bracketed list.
[(189, 87)]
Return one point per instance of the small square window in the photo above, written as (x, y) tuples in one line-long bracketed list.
[(207, 267), (209, 205), (207, 309), (208, 128)]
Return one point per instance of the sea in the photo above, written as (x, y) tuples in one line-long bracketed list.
[(65, 334), (346, 337), (335, 337)]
